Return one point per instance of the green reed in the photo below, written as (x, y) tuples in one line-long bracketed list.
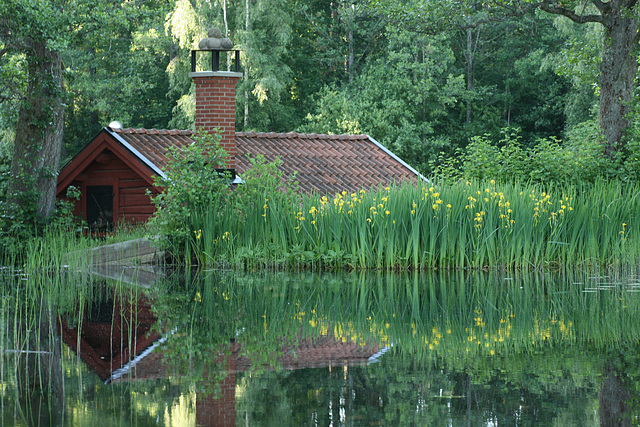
[(451, 225)]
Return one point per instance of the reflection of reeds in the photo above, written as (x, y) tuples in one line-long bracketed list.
[(30, 351), (455, 316), (459, 225), (45, 382)]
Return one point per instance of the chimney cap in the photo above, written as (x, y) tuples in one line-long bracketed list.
[(215, 41), (215, 59)]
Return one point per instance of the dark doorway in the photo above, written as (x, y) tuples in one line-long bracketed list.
[(100, 208)]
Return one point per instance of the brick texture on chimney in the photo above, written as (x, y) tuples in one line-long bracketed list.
[(216, 107)]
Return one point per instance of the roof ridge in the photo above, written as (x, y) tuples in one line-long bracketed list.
[(293, 134), (152, 131)]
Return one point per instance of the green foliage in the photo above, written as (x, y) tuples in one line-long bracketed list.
[(192, 183), (198, 207), (256, 208), (263, 179), (549, 162), (21, 225), (466, 224), (128, 58), (398, 98)]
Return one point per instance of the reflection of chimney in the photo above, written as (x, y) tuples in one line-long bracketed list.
[(216, 93), (218, 408)]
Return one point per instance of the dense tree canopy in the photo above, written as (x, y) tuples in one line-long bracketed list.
[(618, 60), (421, 77)]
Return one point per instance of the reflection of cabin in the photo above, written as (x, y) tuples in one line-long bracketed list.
[(218, 409), (108, 340), (116, 169), (112, 322)]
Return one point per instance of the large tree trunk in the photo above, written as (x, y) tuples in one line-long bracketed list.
[(38, 139), (247, 27), (617, 73)]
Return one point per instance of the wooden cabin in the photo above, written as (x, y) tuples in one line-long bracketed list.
[(115, 172)]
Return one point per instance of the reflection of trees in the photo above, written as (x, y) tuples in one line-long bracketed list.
[(613, 398), (399, 391), (619, 395)]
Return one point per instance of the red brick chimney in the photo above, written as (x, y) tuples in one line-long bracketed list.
[(216, 92), (216, 106)]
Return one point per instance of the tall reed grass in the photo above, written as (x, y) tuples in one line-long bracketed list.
[(472, 224)]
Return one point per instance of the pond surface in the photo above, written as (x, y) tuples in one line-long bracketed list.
[(223, 348)]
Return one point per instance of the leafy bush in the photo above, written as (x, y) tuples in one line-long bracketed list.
[(192, 182), (20, 225), (201, 214), (580, 159)]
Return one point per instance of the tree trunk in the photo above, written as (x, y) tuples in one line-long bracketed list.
[(38, 139), (617, 74), (468, 56), (226, 30), (350, 17)]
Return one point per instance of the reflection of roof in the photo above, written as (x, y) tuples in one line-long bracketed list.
[(110, 343), (326, 164), (320, 352), (306, 353)]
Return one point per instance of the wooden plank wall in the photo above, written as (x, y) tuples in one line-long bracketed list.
[(131, 202)]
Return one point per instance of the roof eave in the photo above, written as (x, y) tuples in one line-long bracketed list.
[(136, 153), (398, 159)]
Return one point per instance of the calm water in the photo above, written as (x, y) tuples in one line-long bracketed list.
[(221, 348)]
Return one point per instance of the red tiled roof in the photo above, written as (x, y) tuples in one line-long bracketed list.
[(154, 144), (326, 164)]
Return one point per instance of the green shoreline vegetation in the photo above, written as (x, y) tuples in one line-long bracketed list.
[(469, 224), (455, 223), (443, 224)]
